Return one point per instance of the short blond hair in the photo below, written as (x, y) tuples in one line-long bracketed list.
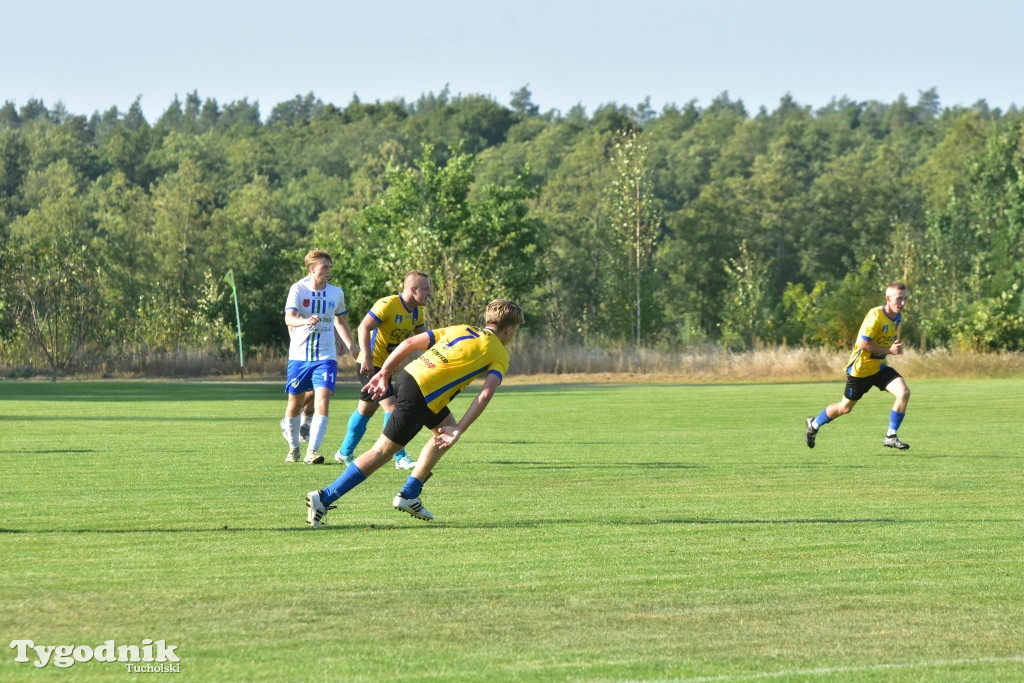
[(412, 276), (502, 313), (316, 255)]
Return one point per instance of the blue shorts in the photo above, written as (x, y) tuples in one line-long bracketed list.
[(305, 376)]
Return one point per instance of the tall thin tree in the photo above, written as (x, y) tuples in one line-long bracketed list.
[(634, 217)]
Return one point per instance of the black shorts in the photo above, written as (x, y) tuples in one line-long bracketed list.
[(365, 377), (411, 413), (856, 387)]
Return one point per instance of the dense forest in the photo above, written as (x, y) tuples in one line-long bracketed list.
[(626, 226)]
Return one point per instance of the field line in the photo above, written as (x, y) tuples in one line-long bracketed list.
[(826, 671)]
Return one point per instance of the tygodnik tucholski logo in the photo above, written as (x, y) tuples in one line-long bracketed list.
[(150, 657)]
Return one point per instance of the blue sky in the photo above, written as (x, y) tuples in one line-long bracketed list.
[(92, 55)]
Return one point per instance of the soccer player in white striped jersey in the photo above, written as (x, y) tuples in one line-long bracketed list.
[(314, 310)]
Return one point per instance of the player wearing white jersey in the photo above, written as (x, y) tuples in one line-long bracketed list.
[(314, 310)]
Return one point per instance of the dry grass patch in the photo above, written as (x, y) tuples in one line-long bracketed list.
[(713, 364), (547, 362)]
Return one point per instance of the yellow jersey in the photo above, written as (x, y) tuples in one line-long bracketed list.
[(458, 354), (880, 329), (396, 323)]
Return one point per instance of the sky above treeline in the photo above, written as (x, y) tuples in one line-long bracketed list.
[(92, 56)]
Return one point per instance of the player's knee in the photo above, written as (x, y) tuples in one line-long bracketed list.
[(844, 408), (385, 448)]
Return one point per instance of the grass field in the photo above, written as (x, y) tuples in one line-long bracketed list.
[(597, 533)]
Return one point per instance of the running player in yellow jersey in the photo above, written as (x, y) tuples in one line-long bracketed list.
[(453, 357), (392, 320), (879, 336)]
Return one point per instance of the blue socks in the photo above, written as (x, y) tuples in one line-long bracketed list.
[(895, 420), (401, 452), (356, 428), (412, 488), (353, 477), (349, 479)]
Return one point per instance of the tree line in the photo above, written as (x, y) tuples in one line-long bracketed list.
[(625, 226)]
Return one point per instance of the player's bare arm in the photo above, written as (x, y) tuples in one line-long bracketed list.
[(341, 327), (894, 349), (378, 384), (366, 328), (446, 436), (293, 319)]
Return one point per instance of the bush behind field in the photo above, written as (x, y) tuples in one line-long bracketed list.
[(540, 360)]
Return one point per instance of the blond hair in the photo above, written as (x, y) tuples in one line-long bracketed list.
[(415, 273), (502, 313), (316, 255)]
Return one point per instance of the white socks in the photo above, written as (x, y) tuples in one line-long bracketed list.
[(317, 429)]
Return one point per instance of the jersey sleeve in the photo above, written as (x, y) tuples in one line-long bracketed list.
[(341, 310), (421, 320), (292, 302), (379, 310), (499, 366), (867, 328)]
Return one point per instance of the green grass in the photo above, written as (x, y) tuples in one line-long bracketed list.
[(599, 533)]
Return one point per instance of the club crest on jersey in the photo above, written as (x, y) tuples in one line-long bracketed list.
[(398, 319), (885, 328), (306, 302)]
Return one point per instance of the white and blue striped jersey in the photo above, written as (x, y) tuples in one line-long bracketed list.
[(316, 342)]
